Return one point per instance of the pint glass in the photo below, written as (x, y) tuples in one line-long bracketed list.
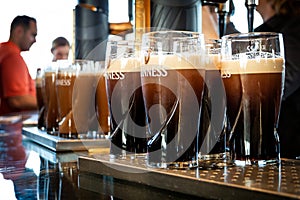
[(50, 97), (101, 99), (83, 99), (38, 87), (213, 138), (126, 105), (253, 75), (172, 84), (40, 98), (65, 80)]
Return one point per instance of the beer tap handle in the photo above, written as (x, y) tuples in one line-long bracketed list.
[(222, 10), (251, 5), (212, 2)]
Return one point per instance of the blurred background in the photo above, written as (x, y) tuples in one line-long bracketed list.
[(55, 18)]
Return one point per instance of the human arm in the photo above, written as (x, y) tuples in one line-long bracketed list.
[(25, 102), (17, 84)]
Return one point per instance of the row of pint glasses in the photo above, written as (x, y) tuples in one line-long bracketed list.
[(181, 102), (74, 99)]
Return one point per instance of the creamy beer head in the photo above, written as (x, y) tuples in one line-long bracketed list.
[(252, 66), (124, 65), (213, 54), (213, 62), (188, 61)]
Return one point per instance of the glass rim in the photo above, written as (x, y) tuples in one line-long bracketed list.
[(124, 43), (185, 34), (251, 35), (82, 60)]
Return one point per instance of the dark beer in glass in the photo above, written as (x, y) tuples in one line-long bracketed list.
[(253, 76), (125, 100), (172, 81)]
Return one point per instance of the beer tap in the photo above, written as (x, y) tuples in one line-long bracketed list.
[(222, 9), (212, 2), (251, 5)]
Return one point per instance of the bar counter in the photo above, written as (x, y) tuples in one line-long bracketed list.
[(38, 172)]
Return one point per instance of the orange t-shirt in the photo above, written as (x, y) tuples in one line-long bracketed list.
[(15, 79)]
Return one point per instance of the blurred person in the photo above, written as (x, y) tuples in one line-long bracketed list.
[(17, 88), (230, 27), (60, 49), (283, 16)]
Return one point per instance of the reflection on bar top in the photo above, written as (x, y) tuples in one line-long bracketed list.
[(10, 119)]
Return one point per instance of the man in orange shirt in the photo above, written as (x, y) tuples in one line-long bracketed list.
[(17, 88)]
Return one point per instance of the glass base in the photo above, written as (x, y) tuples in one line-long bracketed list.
[(128, 155), (174, 165), (52, 132), (92, 135), (219, 160), (262, 162), (68, 135)]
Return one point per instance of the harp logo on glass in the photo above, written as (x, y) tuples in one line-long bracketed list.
[(226, 74), (254, 46)]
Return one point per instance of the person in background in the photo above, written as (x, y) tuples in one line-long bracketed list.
[(17, 88), (60, 49), (283, 16), (230, 27)]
